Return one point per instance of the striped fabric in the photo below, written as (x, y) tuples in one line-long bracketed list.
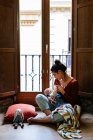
[(69, 128)]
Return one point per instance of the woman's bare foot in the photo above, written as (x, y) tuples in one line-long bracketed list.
[(46, 119), (29, 120), (34, 119)]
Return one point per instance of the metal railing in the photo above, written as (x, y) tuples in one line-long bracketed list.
[(31, 70)]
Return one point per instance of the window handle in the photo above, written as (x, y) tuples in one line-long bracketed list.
[(47, 71), (46, 48)]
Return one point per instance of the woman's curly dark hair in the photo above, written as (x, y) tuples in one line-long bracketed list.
[(58, 66)]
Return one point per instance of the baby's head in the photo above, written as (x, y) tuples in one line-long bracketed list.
[(47, 91)]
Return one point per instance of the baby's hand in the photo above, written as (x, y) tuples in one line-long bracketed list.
[(52, 95)]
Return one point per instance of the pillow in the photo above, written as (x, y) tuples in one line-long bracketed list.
[(28, 111)]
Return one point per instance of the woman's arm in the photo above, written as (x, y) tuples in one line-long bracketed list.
[(70, 92)]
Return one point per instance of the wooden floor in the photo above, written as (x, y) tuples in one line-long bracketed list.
[(42, 131)]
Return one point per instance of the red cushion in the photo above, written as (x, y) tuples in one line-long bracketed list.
[(28, 111)]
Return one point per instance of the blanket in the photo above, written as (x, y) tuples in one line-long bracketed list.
[(69, 128)]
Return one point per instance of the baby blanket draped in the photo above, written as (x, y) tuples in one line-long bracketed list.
[(69, 127)]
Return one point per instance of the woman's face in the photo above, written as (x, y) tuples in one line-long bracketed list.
[(58, 75)]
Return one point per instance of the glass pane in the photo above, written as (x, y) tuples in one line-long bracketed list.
[(60, 33), (30, 46)]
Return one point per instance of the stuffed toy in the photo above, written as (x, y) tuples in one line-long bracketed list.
[(18, 118)]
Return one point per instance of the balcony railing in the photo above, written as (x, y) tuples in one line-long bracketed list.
[(31, 70)]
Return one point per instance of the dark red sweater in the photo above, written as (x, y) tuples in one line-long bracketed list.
[(71, 91)]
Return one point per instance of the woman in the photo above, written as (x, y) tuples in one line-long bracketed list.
[(66, 93)]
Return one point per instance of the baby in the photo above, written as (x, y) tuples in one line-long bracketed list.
[(51, 94), (18, 118)]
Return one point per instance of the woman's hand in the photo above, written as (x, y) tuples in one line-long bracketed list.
[(60, 89)]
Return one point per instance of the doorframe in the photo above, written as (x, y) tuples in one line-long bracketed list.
[(74, 36), (29, 97), (45, 41)]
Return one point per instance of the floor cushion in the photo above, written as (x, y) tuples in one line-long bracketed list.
[(28, 111)]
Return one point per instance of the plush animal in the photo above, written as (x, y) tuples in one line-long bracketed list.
[(18, 118)]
